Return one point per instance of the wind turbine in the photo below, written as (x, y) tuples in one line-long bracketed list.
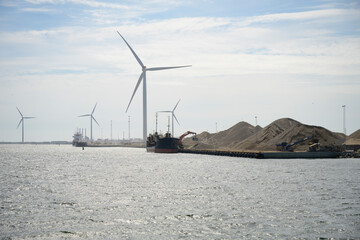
[(91, 118), (143, 78), (22, 120), (173, 116)]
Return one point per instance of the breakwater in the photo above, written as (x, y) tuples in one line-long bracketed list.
[(274, 155), (224, 153)]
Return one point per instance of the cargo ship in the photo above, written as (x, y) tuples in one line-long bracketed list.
[(151, 142), (79, 140), (165, 144), (162, 144)]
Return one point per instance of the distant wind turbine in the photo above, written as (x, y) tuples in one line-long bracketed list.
[(91, 118), (143, 78), (22, 120), (173, 116)]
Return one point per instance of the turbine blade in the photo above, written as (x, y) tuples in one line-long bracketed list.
[(95, 121), (19, 123), (19, 111), (176, 105), (86, 115), (136, 87), (176, 119), (133, 52), (94, 108), (165, 111), (165, 68), (29, 117)]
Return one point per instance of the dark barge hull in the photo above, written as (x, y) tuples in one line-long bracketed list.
[(167, 145), (80, 144)]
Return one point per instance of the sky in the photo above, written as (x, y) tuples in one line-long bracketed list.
[(268, 59)]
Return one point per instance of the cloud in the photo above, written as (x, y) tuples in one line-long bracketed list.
[(135, 8), (94, 4), (37, 10), (300, 16), (198, 40), (44, 1), (97, 4), (253, 64), (88, 12)]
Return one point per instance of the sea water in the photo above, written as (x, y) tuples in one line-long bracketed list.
[(63, 192)]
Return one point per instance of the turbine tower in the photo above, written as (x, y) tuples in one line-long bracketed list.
[(91, 118), (173, 116), (22, 120), (143, 78)]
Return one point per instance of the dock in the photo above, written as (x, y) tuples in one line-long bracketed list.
[(266, 155), (223, 153)]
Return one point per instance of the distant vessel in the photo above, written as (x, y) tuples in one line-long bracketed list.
[(78, 140), (80, 144)]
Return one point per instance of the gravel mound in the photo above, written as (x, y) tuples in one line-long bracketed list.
[(245, 137)]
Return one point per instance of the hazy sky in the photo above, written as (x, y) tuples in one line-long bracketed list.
[(266, 58)]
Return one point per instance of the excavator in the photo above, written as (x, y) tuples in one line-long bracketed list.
[(184, 135)]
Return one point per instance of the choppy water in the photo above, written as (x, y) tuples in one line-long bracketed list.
[(62, 192)]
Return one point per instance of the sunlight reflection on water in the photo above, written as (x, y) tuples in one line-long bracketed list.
[(52, 192)]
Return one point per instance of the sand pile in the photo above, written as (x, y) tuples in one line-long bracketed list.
[(222, 140), (204, 141), (354, 138), (289, 130), (245, 137)]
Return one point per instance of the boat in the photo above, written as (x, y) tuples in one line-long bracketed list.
[(81, 144), (79, 140), (162, 144), (151, 142), (167, 144)]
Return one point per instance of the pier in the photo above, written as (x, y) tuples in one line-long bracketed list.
[(224, 153), (274, 155)]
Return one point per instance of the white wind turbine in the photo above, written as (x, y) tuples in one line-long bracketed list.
[(173, 116), (22, 120), (91, 118), (143, 78)]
